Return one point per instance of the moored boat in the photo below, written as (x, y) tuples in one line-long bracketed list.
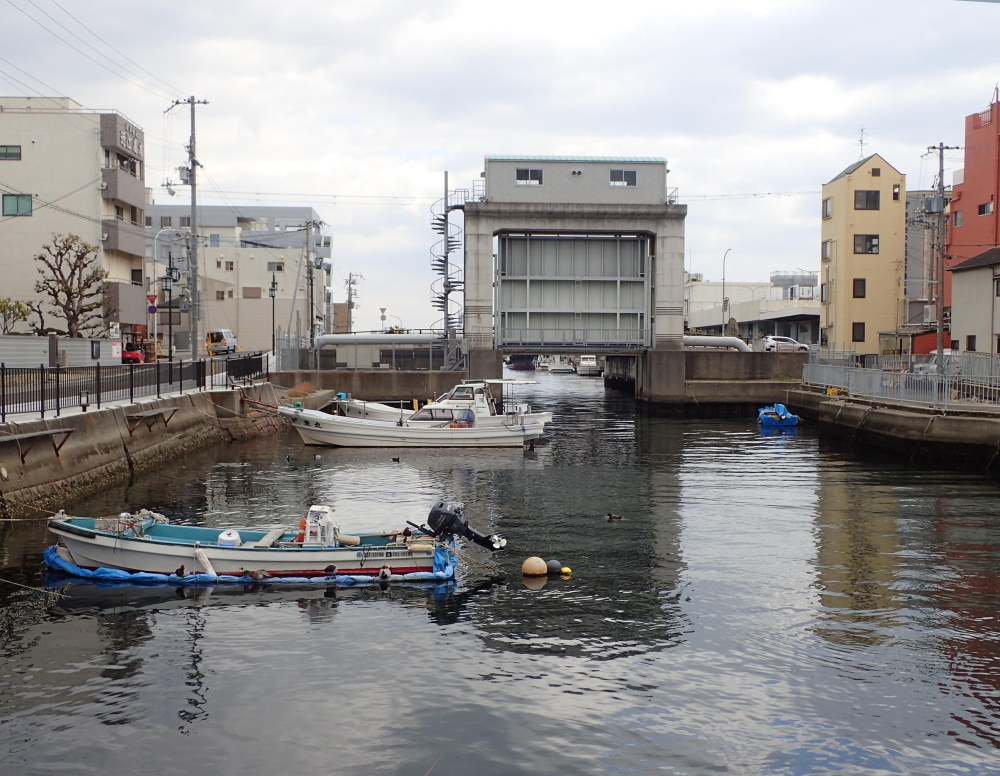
[(776, 416), (460, 430), (147, 543), (588, 366)]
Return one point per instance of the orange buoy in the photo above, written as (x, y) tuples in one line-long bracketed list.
[(534, 567)]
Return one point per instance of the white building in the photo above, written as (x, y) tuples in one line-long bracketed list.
[(975, 305), (64, 170), (242, 250)]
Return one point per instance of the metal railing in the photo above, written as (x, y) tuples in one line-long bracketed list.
[(629, 338), (942, 391), (45, 389)]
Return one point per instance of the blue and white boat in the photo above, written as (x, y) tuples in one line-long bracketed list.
[(146, 542), (776, 416)]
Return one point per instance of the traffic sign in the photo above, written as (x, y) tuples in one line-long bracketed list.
[(151, 298), (151, 309)]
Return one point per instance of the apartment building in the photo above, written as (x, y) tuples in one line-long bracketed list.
[(242, 251), (65, 169), (862, 248)]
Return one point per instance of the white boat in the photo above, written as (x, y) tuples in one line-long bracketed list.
[(476, 395), (560, 365), (147, 542), (321, 428), (588, 366)]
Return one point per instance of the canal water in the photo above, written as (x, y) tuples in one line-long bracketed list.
[(768, 605)]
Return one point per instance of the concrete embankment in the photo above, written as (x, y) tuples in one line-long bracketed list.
[(968, 437), (372, 385), (44, 463)]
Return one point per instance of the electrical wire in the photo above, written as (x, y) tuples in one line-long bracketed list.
[(51, 203)]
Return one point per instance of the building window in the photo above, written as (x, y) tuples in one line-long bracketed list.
[(137, 277), (866, 243), (213, 241), (895, 193), (185, 222), (10, 153), (149, 220), (858, 332), (119, 213), (953, 345), (958, 218), (623, 178), (827, 208), (230, 293), (526, 177), (229, 266), (17, 204), (220, 296), (986, 208), (218, 263), (274, 266), (860, 287), (866, 199), (970, 342), (827, 250), (824, 293), (166, 222), (876, 172)]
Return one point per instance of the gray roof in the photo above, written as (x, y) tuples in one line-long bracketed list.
[(857, 165), (629, 159), (985, 259)]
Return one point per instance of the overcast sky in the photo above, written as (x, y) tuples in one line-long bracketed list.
[(356, 108)]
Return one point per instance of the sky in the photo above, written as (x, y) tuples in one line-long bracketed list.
[(357, 108)]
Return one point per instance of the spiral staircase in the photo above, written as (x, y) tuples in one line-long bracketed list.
[(449, 283)]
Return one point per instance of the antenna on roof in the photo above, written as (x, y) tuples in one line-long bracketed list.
[(862, 144)]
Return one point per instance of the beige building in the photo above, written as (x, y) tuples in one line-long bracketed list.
[(975, 305), (69, 170), (242, 250), (862, 250)]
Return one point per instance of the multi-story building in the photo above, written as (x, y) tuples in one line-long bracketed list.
[(242, 250), (67, 170), (862, 252), (974, 227)]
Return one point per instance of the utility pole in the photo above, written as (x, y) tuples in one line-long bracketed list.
[(352, 294), (309, 277), (940, 148), (192, 181)]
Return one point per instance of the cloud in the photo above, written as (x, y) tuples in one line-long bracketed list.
[(379, 98)]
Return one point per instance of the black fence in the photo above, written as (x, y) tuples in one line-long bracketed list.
[(41, 389)]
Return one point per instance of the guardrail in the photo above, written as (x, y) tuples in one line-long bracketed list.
[(925, 390), (600, 338), (44, 389)]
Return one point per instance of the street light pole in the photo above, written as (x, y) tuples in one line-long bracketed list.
[(725, 321), (272, 292)]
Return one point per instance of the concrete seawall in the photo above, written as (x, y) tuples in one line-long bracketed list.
[(970, 437), (372, 385), (115, 442)]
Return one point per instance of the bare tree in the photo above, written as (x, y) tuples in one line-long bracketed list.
[(74, 285), (12, 312)]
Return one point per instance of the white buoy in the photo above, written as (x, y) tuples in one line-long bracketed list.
[(534, 567)]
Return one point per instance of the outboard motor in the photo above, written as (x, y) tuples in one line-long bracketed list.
[(447, 519)]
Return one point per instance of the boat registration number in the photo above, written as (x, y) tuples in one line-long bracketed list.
[(384, 554)]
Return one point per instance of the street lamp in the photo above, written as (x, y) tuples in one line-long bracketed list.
[(272, 292), (724, 300)]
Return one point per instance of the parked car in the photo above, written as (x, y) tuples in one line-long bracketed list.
[(132, 354), (783, 343), (218, 341)]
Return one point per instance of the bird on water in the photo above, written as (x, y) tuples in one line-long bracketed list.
[(612, 517)]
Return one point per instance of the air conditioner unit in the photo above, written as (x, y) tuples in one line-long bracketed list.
[(930, 313)]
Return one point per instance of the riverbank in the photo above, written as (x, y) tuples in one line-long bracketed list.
[(970, 436), (44, 463)]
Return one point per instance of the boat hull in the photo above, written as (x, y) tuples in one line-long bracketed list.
[(150, 555), (318, 428), (385, 414)]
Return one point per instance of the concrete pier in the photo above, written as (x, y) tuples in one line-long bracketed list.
[(43, 463)]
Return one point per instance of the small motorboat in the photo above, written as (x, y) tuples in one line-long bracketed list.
[(460, 429), (588, 366), (776, 416), (146, 543)]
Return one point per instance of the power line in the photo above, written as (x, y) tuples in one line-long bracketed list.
[(51, 203), (162, 93), (123, 56)]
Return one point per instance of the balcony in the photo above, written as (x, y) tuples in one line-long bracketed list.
[(122, 186), (124, 237)]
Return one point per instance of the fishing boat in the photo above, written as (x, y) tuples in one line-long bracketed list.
[(776, 416), (461, 430), (588, 366), (560, 365), (491, 409), (147, 543)]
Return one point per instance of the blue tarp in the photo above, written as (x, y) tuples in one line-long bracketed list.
[(444, 569), (778, 415)]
